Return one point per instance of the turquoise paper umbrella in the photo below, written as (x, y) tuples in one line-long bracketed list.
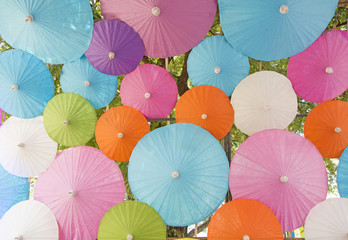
[(181, 171), (342, 174), (82, 78), (26, 85)]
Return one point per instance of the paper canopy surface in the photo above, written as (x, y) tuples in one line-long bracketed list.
[(282, 170), (132, 220), (342, 174), (181, 171)]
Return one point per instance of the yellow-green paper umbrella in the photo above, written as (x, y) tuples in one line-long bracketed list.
[(132, 220), (69, 119)]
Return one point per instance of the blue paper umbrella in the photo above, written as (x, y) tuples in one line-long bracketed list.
[(13, 190), (26, 85), (342, 174), (181, 171), (54, 31), (82, 78), (273, 29), (214, 62)]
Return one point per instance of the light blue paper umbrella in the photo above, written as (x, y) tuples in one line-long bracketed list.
[(342, 174), (82, 78), (26, 85), (214, 62), (273, 29), (181, 171), (13, 190), (54, 31)]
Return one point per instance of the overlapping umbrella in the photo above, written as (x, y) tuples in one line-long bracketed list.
[(342, 174)]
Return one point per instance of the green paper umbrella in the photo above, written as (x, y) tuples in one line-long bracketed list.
[(132, 220), (69, 119)]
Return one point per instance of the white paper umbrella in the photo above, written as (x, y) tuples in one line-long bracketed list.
[(29, 220), (25, 148), (328, 220), (264, 100)]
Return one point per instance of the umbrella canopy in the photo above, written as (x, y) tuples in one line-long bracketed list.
[(26, 84), (342, 174), (13, 190), (25, 148), (168, 28), (29, 220), (82, 78), (116, 49), (70, 119), (274, 30), (327, 128), (132, 220), (214, 62), (151, 90), (118, 131), (282, 170), (55, 31), (244, 219), (328, 220), (80, 187), (319, 73), (181, 171), (207, 107), (264, 100)]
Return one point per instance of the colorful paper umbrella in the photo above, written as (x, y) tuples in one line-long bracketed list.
[(264, 100), (327, 128), (328, 220), (118, 131), (342, 174), (282, 170), (244, 219), (3, 116), (319, 73), (26, 84), (82, 78), (132, 220), (81, 185), (181, 171), (25, 148), (207, 107), (116, 49), (70, 119), (55, 31), (29, 220), (151, 90), (168, 28), (272, 30), (214, 62), (13, 190)]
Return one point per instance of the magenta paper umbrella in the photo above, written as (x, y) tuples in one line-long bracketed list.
[(282, 170), (116, 49), (167, 27), (319, 73), (80, 186), (151, 90)]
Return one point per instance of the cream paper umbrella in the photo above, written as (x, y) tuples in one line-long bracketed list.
[(25, 148), (264, 100)]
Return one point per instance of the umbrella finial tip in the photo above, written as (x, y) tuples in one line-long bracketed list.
[(18, 238), (120, 135), (66, 122), (284, 179), (217, 70), (204, 116), (14, 87), (266, 108), (129, 237), (338, 130), (246, 237), (147, 95), (284, 9), (20, 145), (175, 174), (111, 55), (87, 83), (329, 70), (72, 193), (28, 18), (156, 11)]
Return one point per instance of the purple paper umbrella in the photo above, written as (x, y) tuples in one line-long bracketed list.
[(116, 48)]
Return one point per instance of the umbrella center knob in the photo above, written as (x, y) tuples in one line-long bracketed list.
[(266, 108), (111, 55), (204, 116), (18, 238), (14, 87), (120, 135), (284, 9), (20, 145), (129, 237), (66, 122), (284, 179), (246, 237), (156, 11), (329, 70), (338, 130), (72, 193), (29, 18), (87, 83), (175, 174), (147, 95), (217, 70)]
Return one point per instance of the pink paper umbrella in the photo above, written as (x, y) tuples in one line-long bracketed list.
[(151, 90), (80, 186), (319, 73), (167, 27), (282, 170)]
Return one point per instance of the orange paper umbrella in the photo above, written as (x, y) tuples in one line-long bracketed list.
[(118, 131), (327, 128), (207, 107), (244, 219)]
